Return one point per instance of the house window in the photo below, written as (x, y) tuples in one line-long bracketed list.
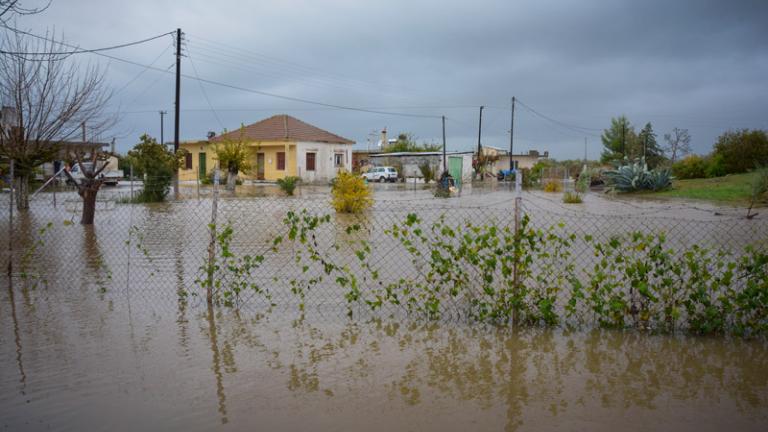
[(281, 161), (187, 160), (338, 160), (310, 161)]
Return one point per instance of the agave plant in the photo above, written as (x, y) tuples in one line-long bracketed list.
[(635, 176)]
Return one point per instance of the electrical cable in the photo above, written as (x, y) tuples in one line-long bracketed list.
[(77, 51), (202, 89)]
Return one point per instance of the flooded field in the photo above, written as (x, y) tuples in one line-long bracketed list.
[(106, 329), (84, 361)]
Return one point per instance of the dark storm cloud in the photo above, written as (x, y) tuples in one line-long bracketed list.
[(694, 64)]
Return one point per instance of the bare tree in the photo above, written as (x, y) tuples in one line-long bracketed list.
[(46, 97), (91, 164), (13, 8), (678, 143)]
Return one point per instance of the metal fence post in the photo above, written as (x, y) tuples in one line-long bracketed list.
[(131, 182), (518, 243), (10, 222), (212, 241)]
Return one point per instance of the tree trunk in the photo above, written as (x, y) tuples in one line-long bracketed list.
[(231, 179), (22, 193), (89, 205)]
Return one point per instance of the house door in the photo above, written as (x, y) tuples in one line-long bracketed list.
[(455, 168), (201, 168), (259, 166)]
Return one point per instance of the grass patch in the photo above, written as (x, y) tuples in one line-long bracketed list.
[(572, 198), (733, 189)]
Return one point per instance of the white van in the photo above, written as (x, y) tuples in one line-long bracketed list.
[(381, 174)]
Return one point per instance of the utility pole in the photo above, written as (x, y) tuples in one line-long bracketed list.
[(624, 137), (480, 132), (162, 127), (445, 165), (176, 109), (512, 136), (585, 149)]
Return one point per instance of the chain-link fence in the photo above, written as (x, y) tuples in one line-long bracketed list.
[(488, 257)]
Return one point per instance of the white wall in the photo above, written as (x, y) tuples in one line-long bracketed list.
[(324, 166)]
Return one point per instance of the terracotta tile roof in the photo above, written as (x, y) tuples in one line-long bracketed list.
[(283, 127)]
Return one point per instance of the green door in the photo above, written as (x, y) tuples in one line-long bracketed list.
[(201, 168), (455, 169)]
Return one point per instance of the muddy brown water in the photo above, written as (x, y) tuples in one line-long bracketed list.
[(116, 361), (100, 347)]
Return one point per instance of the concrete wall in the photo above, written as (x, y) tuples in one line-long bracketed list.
[(325, 168)]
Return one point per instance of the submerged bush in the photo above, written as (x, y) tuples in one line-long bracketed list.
[(572, 198), (288, 184), (553, 185), (350, 193)]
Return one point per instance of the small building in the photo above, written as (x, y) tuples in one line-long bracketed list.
[(407, 163), (524, 160), (280, 146), (361, 159)]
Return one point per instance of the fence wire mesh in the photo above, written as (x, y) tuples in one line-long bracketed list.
[(429, 256)]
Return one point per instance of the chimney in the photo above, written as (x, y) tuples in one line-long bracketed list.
[(384, 141)]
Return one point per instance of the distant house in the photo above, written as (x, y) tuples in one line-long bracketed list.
[(280, 146), (524, 160)]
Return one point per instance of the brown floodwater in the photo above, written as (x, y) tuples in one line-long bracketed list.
[(82, 360), (95, 336)]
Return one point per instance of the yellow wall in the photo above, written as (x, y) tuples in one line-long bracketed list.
[(270, 150)]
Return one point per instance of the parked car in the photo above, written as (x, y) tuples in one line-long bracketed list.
[(381, 174), (111, 177)]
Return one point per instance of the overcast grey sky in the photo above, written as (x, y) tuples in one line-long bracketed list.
[(701, 65)]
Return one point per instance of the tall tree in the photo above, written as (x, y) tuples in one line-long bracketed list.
[(619, 140), (46, 98), (649, 148), (678, 143), (157, 164), (235, 157), (91, 163)]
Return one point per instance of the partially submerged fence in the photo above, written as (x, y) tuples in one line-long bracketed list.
[(494, 258)]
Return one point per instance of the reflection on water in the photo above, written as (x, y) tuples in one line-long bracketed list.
[(91, 361)]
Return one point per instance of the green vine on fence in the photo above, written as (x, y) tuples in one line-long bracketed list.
[(529, 276), (229, 275)]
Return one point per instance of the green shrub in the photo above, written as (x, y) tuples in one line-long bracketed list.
[(691, 167), (742, 150), (553, 185), (715, 166), (350, 193), (157, 164), (288, 184), (572, 198), (428, 172)]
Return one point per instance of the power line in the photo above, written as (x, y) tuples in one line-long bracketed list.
[(247, 90), (143, 70), (579, 129), (266, 59), (78, 51), (202, 89)]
